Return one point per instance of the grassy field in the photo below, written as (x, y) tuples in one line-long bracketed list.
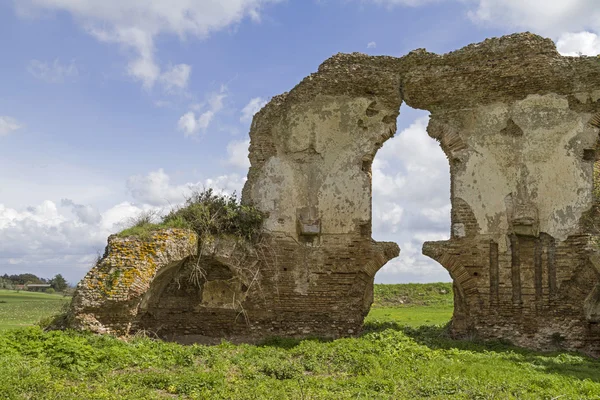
[(390, 360), (412, 304), (411, 316), (19, 309), (413, 294)]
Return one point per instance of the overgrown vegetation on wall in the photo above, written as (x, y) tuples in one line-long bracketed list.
[(205, 212)]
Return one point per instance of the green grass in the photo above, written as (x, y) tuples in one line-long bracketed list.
[(387, 362), (26, 308), (144, 230), (412, 304), (413, 294), (390, 360), (411, 316)]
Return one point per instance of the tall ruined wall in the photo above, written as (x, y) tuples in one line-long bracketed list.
[(311, 152), (519, 125), (517, 122)]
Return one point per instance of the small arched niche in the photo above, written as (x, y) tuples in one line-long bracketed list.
[(199, 296)]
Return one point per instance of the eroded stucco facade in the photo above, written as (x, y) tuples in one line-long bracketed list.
[(519, 125)]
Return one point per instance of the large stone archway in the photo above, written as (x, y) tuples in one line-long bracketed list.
[(519, 125)]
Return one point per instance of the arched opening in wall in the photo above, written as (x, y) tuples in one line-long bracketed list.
[(193, 297), (411, 199)]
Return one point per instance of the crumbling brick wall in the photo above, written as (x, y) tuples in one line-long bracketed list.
[(519, 125)]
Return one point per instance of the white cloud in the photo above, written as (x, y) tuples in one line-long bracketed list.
[(412, 267), (215, 99), (205, 119), (141, 66), (8, 125), (371, 45), (581, 43), (406, 162), (176, 78), (135, 24), (237, 152), (411, 202), (548, 17), (253, 106), (229, 183), (163, 104), (48, 238), (85, 213), (190, 125), (54, 72), (187, 123), (156, 189)]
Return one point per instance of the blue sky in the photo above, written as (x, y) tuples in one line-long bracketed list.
[(111, 107)]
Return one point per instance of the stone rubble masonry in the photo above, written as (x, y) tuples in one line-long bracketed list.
[(519, 126), (108, 298)]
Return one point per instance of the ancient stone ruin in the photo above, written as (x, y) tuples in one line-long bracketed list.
[(519, 125)]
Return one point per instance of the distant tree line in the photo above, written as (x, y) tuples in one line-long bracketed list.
[(58, 283)]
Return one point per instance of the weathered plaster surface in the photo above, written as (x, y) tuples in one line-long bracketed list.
[(322, 148), (526, 165)]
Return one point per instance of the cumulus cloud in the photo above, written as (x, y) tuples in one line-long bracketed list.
[(548, 17), (86, 214), (176, 78), (412, 267), (407, 161), (371, 45), (8, 125), (54, 72), (52, 238), (411, 201), (191, 125), (253, 106), (156, 189), (226, 184), (134, 24), (188, 124), (48, 239), (554, 18), (237, 152), (576, 44)]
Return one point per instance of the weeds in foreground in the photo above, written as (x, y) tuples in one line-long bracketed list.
[(386, 362)]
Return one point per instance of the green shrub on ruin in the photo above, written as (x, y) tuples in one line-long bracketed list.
[(205, 212), (209, 213)]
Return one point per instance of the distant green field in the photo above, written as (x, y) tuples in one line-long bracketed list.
[(413, 294), (412, 304), (411, 316), (27, 308)]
